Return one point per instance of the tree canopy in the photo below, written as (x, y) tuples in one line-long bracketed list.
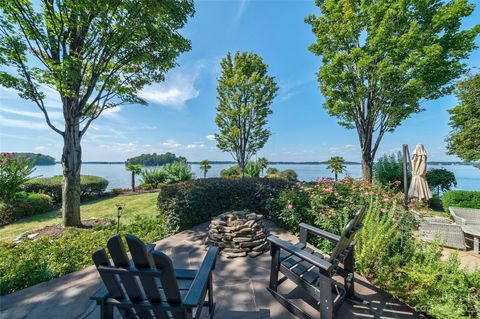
[(380, 59), (440, 179), (336, 165), (464, 140), (244, 92), (97, 54), (156, 159)]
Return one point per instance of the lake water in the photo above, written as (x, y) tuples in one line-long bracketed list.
[(468, 177)]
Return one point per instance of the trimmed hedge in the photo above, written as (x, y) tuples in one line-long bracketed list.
[(89, 186), (25, 205), (190, 203), (467, 199)]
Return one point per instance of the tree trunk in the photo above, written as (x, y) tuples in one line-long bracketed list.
[(367, 171), (204, 174), (133, 181), (71, 163), (336, 176)]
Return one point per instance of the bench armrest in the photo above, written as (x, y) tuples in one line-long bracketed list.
[(314, 260), (320, 232), (196, 294)]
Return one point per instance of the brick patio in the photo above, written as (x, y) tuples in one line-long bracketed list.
[(239, 288)]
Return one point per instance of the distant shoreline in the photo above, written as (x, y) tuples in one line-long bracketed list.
[(279, 163)]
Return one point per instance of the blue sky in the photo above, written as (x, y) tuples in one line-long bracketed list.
[(180, 116)]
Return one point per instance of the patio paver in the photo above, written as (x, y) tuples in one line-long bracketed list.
[(239, 288)]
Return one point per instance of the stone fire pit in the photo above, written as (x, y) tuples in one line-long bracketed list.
[(238, 234)]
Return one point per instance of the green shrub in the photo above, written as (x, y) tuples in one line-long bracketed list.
[(390, 256), (467, 199), (232, 171), (154, 176), (177, 172), (52, 186), (252, 169), (146, 187), (14, 173), (388, 171), (7, 213), (32, 262), (194, 202), (288, 174), (33, 204)]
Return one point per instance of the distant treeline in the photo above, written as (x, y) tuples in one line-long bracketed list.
[(39, 159), (156, 159)]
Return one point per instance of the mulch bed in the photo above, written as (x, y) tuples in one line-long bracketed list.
[(55, 230)]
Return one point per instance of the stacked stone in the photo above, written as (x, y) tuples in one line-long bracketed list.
[(238, 234)]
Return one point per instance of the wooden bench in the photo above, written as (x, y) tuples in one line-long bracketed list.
[(148, 287)]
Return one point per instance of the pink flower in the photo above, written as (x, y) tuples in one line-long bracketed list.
[(383, 210), (289, 206), (397, 182)]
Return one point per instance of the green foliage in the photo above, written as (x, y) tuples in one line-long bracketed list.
[(390, 256), (32, 262), (380, 59), (25, 204), (204, 167), (244, 92), (52, 186), (328, 204), (336, 165), (440, 179), (154, 176), (232, 171), (388, 171), (288, 174), (252, 169), (156, 159), (14, 172), (38, 159), (134, 168), (465, 121), (190, 203), (466, 199), (263, 164), (177, 172)]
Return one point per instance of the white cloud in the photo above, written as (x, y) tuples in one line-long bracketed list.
[(171, 144), (349, 146), (22, 123), (176, 91), (210, 137), (242, 7), (195, 145), (40, 148), (37, 115)]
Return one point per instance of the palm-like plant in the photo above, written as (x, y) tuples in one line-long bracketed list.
[(135, 169), (336, 165), (262, 163), (204, 167)]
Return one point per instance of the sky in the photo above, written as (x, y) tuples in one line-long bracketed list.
[(181, 111)]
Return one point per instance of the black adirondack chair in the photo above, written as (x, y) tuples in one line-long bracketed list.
[(313, 270), (148, 287)]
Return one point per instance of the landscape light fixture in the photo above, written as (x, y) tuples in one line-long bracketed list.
[(120, 207)]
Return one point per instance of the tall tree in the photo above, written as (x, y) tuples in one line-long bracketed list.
[(135, 170), (381, 58), (244, 92), (97, 54), (205, 167), (464, 140), (336, 165)]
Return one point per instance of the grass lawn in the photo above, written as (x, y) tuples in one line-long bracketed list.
[(141, 204)]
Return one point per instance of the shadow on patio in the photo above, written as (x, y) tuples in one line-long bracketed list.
[(239, 288)]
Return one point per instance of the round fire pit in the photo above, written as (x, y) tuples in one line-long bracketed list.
[(238, 234)]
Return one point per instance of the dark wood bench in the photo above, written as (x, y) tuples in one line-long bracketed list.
[(148, 287), (312, 270)]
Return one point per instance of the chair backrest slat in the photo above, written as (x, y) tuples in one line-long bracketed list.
[(114, 288), (130, 282), (143, 260), (347, 235)]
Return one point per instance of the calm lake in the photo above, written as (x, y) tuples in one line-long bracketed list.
[(468, 177)]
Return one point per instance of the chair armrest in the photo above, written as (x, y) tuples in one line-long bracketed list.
[(314, 260), (196, 293), (320, 232)]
